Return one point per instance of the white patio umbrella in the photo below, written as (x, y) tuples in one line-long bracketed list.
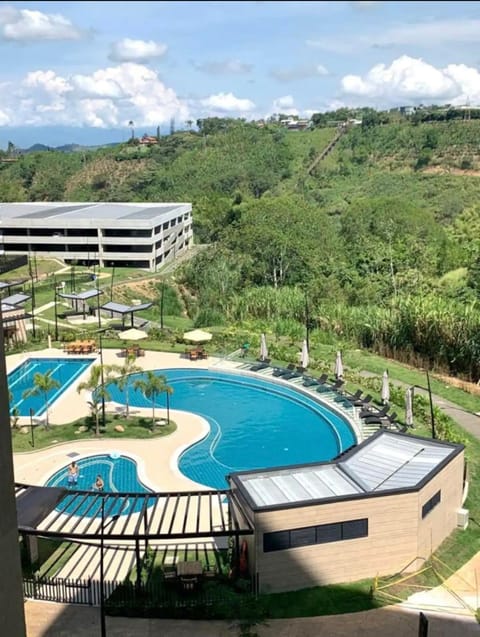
[(339, 366), (132, 334), (263, 348), (409, 407), (385, 388), (304, 359), (197, 336)]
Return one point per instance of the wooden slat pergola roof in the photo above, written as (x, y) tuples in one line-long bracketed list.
[(65, 513)]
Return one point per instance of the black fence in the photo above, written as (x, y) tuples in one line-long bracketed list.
[(8, 263), (219, 599)]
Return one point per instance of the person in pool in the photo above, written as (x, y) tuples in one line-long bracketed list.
[(99, 484), (73, 473)]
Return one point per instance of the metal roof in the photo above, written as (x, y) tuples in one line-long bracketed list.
[(60, 512), (65, 212), (16, 299), (387, 461), (118, 308), (81, 296)]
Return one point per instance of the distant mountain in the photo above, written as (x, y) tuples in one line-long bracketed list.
[(66, 148)]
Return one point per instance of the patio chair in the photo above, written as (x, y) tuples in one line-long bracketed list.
[(364, 404), (379, 413), (280, 371), (352, 398), (259, 366)]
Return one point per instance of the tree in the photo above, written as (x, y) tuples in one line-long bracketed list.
[(43, 384), (151, 387), (124, 380), (98, 390)]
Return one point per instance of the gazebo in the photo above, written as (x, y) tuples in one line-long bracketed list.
[(123, 310), (80, 297)]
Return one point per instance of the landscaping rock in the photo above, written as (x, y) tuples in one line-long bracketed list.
[(119, 428), (24, 430), (82, 429)]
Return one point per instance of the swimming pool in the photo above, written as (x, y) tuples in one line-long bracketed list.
[(119, 474), (254, 423), (65, 371)]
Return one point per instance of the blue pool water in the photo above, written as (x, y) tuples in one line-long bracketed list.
[(65, 371), (119, 474), (254, 423)]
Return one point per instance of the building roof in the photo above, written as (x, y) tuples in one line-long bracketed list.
[(81, 296), (387, 461), (118, 308), (60, 213)]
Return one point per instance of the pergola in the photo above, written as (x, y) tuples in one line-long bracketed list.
[(118, 308), (81, 297), (8, 285), (83, 516)]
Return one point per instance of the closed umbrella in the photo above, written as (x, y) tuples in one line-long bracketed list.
[(339, 366), (263, 348), (304, 360), (385, 388), (409, 407)]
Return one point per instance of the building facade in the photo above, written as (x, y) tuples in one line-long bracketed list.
[(379, 509), (142, 235)]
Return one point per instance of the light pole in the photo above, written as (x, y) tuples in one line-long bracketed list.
[(162, 294), (31, 428), (103, 627), (432, 417), (102, 379), (56, 317)]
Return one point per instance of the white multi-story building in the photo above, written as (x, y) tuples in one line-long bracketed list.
[(142, 235)]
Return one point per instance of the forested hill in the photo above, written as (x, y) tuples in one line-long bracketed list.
[(383, 234)]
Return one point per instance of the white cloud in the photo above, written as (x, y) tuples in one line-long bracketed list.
[(225, 67), (106, 98), (128, 50), (422, 34), (26, 25), (412, 80), (227, 103), (300, 72), (285, 104)]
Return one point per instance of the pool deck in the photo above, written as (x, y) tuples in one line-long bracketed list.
[(157, 458)]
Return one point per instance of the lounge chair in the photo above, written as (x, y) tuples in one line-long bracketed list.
[(379, 413), (383, 421), (280, 371), (352, 398), (290, 375), (336, 385), (259, 366), (309, 380), (364, 403)]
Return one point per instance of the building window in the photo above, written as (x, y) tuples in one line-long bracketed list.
[(431, 504), (310, 535)]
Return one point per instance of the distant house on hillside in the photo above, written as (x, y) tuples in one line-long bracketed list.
[(295, 124), (148, 140)]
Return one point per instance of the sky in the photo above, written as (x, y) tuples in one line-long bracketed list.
[(81, 71)]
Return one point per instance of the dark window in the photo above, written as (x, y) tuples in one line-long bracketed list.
[(276, 541), (431, 504), (15, 232), (329, 533), (354, 529), (302, 537), (310, 535)]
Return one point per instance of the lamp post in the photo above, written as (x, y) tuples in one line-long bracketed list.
[(56, 317), (162, 294), (103, 627), (102, 379), (31, 428), (432, 417), (307, 322)]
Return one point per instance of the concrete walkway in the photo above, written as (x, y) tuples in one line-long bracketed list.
[(61, 620)]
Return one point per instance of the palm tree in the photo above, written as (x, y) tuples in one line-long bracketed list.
[(99, 392), (124, 380), (43, 384), (152, 386)]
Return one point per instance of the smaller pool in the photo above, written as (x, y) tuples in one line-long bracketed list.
[(64, 370), (119, 474)]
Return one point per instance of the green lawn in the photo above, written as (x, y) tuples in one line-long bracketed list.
[(135, 427)]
